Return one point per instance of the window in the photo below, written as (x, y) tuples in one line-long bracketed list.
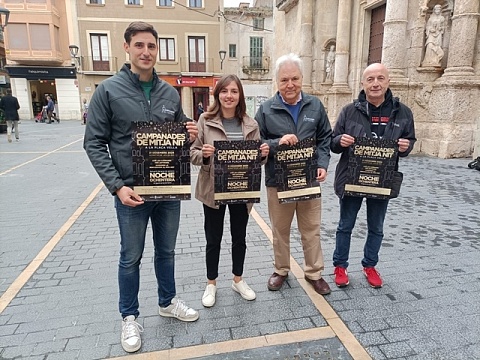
[(195, 3), (18, 37), (100, 53), (40, 37), (256, 52), (196, 53), (232, 50), (133, 2), (258, 24), (97, 2), (166, 49), (165, 3)]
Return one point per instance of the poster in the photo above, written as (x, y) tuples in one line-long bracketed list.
[(237, 171), (296, 172), (161, 161), (371, 166)]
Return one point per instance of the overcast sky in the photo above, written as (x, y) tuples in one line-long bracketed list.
[(234, 3)]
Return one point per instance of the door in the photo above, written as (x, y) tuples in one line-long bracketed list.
[(196, 54), (256, 52), (200, 95), (100, 57), (376, 35)]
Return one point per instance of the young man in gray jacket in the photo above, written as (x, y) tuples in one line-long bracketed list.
[(137, 94), (288, 117)]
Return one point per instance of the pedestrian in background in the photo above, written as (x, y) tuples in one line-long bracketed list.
[(288, 117), (51, 111), (226, 119), (84, 111), (9, 104), (375, 114), (200, 109), (136, 93)]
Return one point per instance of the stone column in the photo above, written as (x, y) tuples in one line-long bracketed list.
[(306, 49), (343, 43), (462, 39), (394, 39)]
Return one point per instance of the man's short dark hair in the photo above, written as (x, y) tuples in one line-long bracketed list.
[(9, 91), (139, 26)]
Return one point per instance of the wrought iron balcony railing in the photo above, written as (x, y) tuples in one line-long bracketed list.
[(97, 64), (256, 64)]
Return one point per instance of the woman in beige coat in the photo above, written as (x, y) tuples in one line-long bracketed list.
[(225, 119)]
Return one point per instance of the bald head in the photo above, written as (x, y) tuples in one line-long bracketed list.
[(375, 82)]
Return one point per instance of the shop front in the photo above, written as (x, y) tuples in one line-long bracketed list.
[(32, 84), (193, 90)]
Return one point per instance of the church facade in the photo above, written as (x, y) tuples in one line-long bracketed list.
[(431, 48)]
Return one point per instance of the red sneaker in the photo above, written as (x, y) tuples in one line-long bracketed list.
[(373, 277), (341, 276)]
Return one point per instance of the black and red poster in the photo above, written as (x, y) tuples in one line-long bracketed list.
[(161, 161)]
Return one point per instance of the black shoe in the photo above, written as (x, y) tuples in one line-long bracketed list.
[(475, 163)]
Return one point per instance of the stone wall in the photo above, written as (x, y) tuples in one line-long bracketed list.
[(443, 96)]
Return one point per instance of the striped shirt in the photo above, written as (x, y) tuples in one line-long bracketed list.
[(233, 128)]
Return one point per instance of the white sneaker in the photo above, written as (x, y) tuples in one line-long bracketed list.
[(178, 310), (244, 290), (9, 138), (131, 340), (208, 298)]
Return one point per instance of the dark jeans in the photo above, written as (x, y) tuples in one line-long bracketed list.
[(214, 220), (349, 207), (133, 221)]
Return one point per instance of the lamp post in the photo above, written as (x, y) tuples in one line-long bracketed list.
[(4, 15), (74, 54), (222, 54)]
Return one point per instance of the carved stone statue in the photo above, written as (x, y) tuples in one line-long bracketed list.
[(433, 45), (330, 65)]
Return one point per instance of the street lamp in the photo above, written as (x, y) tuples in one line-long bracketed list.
[(4, 15), (222, 54), (74, 54)]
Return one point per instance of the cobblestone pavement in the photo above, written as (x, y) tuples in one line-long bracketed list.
[(429, 307)]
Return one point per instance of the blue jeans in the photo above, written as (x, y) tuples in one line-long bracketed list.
[(133, 221), (349, 207)]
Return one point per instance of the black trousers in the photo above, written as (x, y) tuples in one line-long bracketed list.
[(214, 221)]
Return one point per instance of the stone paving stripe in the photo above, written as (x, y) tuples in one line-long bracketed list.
[(338, 326), (237, 345), (22, 279), (38, 158)]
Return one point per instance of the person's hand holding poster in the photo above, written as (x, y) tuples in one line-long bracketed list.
[(296, 171)]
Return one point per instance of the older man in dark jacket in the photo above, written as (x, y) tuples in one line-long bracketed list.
[(288, 117), (376, 113), (9, 104)]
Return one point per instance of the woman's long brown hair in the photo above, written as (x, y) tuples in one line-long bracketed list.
[(216, 109)]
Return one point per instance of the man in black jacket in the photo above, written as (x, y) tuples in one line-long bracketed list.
[(9, 104), (386, 117), (287, 118)]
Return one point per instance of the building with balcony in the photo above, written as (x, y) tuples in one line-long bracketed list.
[(442, 91), (249, 50), (37, 56), (189, 43)]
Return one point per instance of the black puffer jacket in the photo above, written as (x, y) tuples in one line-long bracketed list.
[(351, 121)]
